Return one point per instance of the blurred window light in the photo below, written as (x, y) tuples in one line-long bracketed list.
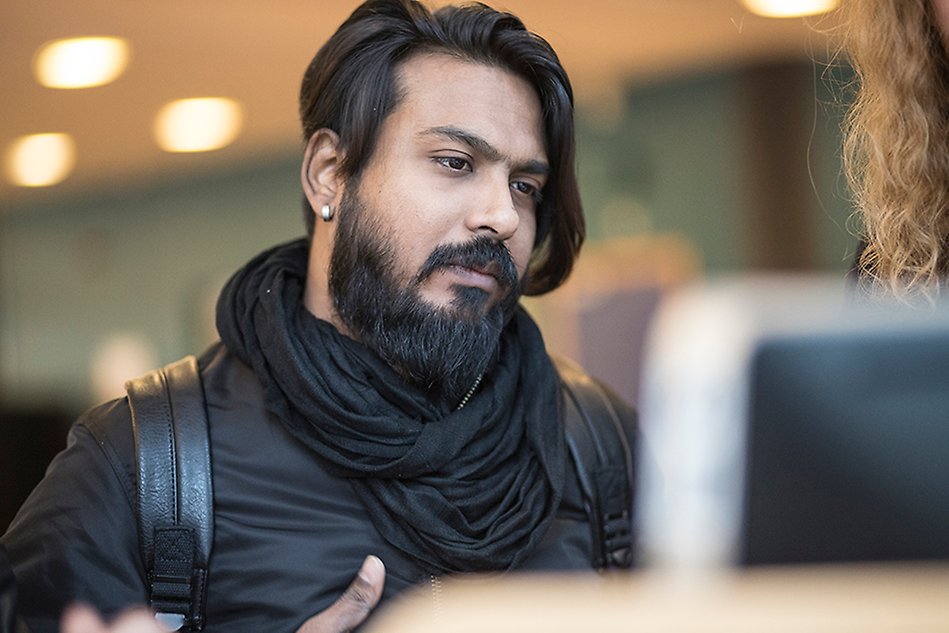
[(118, 358), (40, 160), (789, 8), (81, 62), (198, 125)]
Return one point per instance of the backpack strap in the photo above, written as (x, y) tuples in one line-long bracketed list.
[(600, 452), (175, 499)]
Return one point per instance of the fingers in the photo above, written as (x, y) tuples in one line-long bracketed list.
[(82, 619), (364, 592), (354, 606), (136, 621)]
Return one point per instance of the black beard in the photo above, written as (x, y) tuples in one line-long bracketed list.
[(441, 350)]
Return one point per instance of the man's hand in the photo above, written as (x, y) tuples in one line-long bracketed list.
[(353, 607), (348, 612), (83, 619)]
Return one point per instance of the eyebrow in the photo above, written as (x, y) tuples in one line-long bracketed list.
[(483, 147)]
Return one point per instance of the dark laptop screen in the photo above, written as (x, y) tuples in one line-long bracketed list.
[(848, 448)]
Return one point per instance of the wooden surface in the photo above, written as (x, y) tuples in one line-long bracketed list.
[(861, 598)]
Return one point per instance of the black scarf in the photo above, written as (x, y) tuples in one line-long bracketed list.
[(471, 489)]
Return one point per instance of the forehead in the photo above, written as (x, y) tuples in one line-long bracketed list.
[(440, 90)]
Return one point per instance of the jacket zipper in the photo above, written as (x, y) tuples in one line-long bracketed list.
[(436, 584), (470, 393)]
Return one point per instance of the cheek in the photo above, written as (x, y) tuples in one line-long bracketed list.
[(415, 247), (521, 244)]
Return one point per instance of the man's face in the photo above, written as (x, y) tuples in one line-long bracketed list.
[(434, 240), (461, 155)]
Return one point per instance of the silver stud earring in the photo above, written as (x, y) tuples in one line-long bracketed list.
[(326, 212)]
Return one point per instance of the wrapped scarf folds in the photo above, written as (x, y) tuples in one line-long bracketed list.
[(472, 489)]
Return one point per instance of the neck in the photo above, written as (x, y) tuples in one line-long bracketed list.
[(317, 298)]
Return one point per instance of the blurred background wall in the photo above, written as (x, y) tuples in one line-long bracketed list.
[(709, 143)]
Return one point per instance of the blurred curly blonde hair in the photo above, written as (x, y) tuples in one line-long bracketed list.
[(896, 147)]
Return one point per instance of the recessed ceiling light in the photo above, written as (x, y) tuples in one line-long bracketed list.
[(40, 160), (198, 125), (81, 62), (789, 8)]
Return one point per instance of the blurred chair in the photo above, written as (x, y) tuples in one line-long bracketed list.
[(600, 316), (29, 438)]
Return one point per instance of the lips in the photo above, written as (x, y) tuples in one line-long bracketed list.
[(491, 269), (482, 262), (483, 277)]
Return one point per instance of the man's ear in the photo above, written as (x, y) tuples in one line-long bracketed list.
[(320, 174)]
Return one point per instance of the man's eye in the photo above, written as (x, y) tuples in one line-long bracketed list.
[(454, 163), (527, 189)]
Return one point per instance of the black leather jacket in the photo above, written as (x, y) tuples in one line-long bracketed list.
[(288, 536), (8, 620)]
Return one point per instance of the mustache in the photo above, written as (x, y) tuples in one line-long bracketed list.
[(481, 253)]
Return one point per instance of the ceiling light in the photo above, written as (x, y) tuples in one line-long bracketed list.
[(789, 8), (198, 125), (81, 62), (40, 160)]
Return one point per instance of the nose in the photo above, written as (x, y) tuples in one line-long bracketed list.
[(494, 212)]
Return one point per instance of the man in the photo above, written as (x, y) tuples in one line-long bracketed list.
[(377, 391)]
